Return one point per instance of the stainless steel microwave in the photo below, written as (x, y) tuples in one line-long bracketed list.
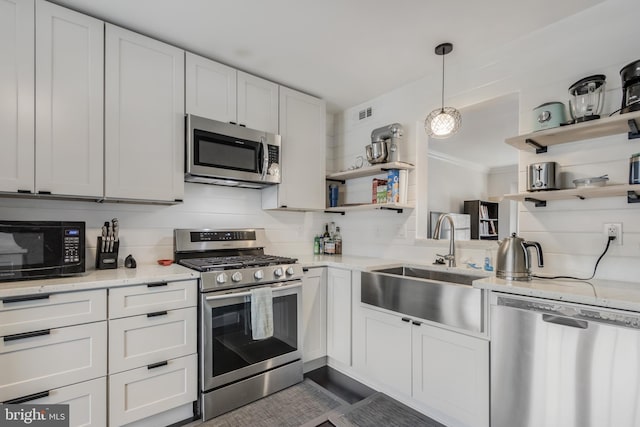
[(226, 154), (41, 249)]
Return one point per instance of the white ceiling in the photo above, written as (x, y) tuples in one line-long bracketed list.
[(345, 51)]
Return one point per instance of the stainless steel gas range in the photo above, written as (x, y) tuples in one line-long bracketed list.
[(236, 367)]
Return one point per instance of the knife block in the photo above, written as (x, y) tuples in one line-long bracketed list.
[(106, 260)]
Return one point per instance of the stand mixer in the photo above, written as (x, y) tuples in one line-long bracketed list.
[(384, 145)]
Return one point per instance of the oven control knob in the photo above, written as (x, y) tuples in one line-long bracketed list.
[(259, 275), (221, 278), (278, 272), (236, 277), (290, 271)]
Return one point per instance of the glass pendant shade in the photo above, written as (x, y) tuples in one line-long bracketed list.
[(444, 121)]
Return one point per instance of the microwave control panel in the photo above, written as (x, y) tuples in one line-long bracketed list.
[(274, 154), (71, 245)]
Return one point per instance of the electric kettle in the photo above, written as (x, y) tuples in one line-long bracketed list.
[(513, 261)]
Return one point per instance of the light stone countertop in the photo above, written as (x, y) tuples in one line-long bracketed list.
[(601, 293), (97, 279)]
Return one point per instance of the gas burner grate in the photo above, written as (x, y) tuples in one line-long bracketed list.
[(235, 262)]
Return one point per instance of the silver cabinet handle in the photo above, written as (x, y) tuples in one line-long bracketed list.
[(565, 321)]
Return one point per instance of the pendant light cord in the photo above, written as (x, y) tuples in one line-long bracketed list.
[(442, 102)]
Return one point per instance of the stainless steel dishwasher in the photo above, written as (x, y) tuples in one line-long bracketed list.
[(557, 364)]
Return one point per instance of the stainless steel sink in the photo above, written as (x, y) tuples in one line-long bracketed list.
[(444, 297), (439, 275)]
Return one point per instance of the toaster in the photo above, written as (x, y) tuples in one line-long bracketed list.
[(543, 176)]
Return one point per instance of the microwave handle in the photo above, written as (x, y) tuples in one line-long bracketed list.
[(265, 157)]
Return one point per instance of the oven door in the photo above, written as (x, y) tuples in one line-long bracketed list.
[(228, 352)]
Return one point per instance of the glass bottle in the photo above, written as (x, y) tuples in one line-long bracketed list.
[(337, 238)]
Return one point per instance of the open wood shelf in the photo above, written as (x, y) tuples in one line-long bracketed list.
[(398, 207), (368, 171), (540, 198), (539, 141)]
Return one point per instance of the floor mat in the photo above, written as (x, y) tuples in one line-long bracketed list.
[(381, 410), (291, 407)]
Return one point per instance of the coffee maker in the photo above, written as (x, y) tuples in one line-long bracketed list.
[(630, 75)]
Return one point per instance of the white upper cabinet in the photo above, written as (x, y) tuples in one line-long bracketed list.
[(16, 95), (210, 89), (144, 118), (222, 93), (303, 129), (69, 102), (257, 103)]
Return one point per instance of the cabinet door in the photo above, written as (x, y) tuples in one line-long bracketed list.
[(150, 390), (144, 118), (314, 314), (382, 348), (210, 89), (17, 95), (52, 358), (87, 402), (339, 315), (303, 129), (70, 84), (26, 313), (257, 103), (143, 340), (451, 374)]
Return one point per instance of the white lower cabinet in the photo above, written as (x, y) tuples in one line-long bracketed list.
[(87, 402), (314, 314), (142, 340), (339, 315), (451, 373), (444, 371), (153, 362), (51, 358), (382, 350), (146, 391)]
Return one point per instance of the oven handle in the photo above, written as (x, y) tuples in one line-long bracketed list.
[(246, 294)]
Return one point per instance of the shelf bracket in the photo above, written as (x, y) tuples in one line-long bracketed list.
[(538, 203), (398, 210), (634, 132), (341, 181), (335, 212), (633, 197), (539, 148)]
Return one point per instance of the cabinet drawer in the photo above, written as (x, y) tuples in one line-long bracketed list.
[(143, 299), (44, 311), (143, 340), (87, 402), (143, 392), (52, 358)]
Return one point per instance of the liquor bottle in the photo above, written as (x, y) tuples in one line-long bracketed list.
[(337, 238)]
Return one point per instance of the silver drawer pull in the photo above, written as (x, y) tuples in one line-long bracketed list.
[(582, 324), (28, 398), (25, 335)]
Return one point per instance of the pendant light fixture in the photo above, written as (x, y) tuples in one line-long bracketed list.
[(444, 121)]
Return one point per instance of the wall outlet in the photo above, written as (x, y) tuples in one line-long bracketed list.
[(614, 230)]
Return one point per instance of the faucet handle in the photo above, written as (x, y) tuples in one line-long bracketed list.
[(447, 256)]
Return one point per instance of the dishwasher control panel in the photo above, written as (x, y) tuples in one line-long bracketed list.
[(574, 311)]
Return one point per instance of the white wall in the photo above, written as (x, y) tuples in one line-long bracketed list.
[(540, 67), (146, 231)]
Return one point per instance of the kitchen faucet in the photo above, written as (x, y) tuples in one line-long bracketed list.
[(451, 256)]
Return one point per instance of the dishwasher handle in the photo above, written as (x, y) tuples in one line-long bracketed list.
[(565, 321)]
